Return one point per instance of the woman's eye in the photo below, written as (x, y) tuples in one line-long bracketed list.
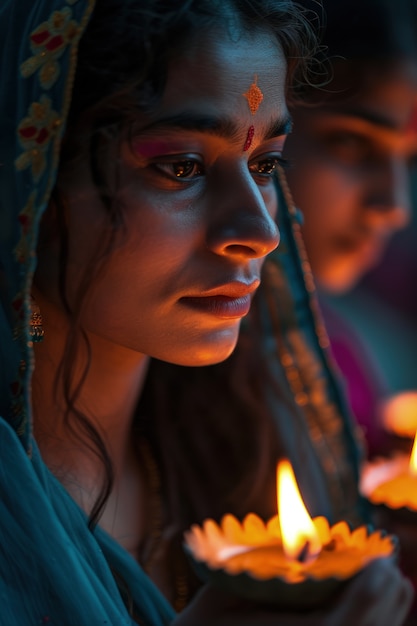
[(184, 169), (267, 167)]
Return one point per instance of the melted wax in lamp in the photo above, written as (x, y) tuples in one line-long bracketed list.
[(292, 546)]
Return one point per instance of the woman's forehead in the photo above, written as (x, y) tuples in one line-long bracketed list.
[(247, 75)]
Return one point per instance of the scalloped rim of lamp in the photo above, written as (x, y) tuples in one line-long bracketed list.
[(306, 589), (237, 548)]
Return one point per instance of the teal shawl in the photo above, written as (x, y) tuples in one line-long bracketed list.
[(53, 570)]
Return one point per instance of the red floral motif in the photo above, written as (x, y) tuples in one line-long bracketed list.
[(25, 218), (39, 38), (48, 41), (35, 132)]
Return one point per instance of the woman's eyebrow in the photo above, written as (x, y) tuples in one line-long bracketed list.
[(213, 125), (280, 127)]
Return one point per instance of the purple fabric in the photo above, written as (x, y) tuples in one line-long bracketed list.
[(363, 381)]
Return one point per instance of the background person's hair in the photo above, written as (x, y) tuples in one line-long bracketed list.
[(361, 40), (366, 29)]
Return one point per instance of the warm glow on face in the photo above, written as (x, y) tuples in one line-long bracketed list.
[(300, 539), (413, 458)]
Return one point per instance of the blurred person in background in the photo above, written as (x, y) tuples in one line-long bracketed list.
[(351, 156)]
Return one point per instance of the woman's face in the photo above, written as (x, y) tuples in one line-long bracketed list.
[(350, 171), (198, 204)]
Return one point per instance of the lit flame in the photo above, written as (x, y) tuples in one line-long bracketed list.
[(300, 539), (413, 458)]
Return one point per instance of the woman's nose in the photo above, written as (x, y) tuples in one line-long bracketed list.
[(242, 222), (389, 198)]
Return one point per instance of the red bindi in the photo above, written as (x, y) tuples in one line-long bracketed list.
[(249, 137)]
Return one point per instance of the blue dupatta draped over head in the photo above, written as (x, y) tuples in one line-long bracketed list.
[(53, 570)]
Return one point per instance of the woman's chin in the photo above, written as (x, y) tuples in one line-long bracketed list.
[(211, 352)]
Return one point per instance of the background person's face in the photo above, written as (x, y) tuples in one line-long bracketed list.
[(350, 175), (198, 209)]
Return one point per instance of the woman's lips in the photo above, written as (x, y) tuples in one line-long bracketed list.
[(225, 307), (230, 300)]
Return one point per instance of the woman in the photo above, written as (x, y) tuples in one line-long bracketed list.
[(146, 136), (353, 150)]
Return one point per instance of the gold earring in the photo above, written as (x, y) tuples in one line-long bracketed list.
[(36, 330)]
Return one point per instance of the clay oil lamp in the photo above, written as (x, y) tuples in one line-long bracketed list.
[(292, 560), (391, 483)]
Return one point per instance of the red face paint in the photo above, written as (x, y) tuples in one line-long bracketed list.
[(249, 138)]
